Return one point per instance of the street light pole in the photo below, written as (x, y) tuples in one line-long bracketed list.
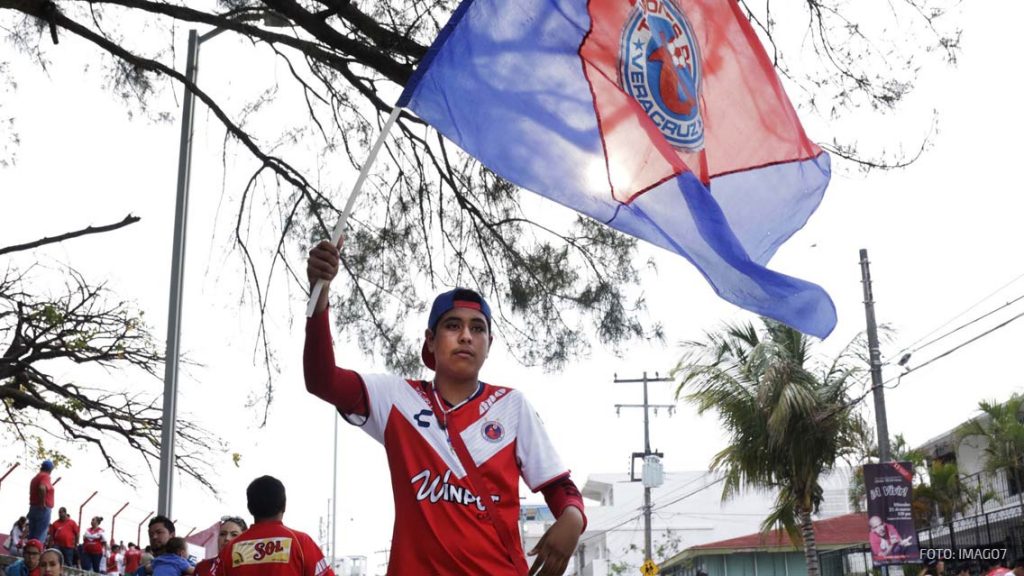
[(170, 410)]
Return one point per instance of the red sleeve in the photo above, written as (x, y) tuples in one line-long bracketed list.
[(312, 551), (562, 493), (343, 388)]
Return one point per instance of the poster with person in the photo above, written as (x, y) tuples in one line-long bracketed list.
[(891, 531)]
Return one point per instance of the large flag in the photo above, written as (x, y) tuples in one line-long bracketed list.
[(663, 119)]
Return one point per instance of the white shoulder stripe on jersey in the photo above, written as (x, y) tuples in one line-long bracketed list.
[(387, 392), (501, 421), (415, 410)]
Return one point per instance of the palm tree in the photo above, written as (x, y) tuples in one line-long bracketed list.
[(789, 421), (1000, 426), (945, 495)]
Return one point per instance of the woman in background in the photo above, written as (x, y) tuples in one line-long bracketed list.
[(19, 532), (230, 528), (94, 541)]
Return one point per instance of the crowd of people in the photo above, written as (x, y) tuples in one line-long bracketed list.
[(89, 550), (985, 568), (265, 547)]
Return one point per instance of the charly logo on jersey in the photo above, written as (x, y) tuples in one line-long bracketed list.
[(492, 431), (660, 67), (436, 489)]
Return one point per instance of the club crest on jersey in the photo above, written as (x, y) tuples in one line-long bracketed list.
[(660, 67), (493, 431)]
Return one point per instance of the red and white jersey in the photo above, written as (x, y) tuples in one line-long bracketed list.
[(440, 528), (270, 548)]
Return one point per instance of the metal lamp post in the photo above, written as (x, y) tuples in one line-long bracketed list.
[(170, 406)]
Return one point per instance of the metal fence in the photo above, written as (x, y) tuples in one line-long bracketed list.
[(984, 491), (995, 530), (854, 561), (1000, 531)]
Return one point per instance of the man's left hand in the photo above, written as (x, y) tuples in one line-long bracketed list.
[(557, 545)]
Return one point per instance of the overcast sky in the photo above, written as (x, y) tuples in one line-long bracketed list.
[(942, 234)]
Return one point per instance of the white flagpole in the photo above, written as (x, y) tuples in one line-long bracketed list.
[(340, 226)]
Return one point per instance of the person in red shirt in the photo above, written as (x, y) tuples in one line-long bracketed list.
[(113, 559), (40, 502), (456, 446), (64, 535), (269, 548), (94, 542), (231, 527), (132, 558)]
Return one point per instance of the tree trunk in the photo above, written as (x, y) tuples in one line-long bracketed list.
[(810, 544)]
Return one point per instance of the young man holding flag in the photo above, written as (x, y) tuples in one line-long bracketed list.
[(456, 446)]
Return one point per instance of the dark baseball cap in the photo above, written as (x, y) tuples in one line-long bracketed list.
[(457, 298)]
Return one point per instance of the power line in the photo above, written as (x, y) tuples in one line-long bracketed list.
[(966, 324), (907, 371), (685, 496), (954, 318), (962, 344), (606, 530), (632, 517)]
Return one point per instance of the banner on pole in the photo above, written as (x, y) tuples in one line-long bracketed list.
[(891, 531)]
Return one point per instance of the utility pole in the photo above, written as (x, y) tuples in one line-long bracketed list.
[(651, 474), (881, 421)]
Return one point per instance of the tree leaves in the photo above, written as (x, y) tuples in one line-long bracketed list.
[(790, 419)]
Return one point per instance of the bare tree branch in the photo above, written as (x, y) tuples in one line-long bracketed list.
[(79, 325), (129, 219)]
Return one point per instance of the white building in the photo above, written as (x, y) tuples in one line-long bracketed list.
[(992, 505), (687, 510), (350, 566), (989, 492)]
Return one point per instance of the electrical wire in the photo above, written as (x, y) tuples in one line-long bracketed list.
[(966, 324), (685, 496), (609, 529), (907, 371), (653, 508), (634, 503), (961, 345), (954, 318)]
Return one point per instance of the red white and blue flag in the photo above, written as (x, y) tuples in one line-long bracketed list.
[(664, 119)]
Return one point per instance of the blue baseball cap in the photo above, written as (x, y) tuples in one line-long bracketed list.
[(457, 298), (47, 465)]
